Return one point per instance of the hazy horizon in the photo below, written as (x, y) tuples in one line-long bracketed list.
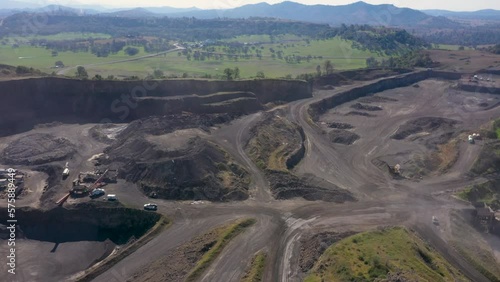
[(227, 4)]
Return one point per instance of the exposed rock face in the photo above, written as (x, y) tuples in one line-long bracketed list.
[(26, 102), (320, 107)]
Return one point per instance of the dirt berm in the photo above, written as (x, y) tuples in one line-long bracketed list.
[(83, 222), (185, 167), (27, 102), (37, 149), (276, 147)]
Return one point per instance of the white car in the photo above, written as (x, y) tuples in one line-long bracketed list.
[(151, 207), (97, 193), (112, 197)]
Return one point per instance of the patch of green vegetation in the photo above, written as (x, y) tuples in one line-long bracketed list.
[(488, 160), (450, 47), (377, 254), (226, 236), (57, 37), (488, 192), (255, 271)]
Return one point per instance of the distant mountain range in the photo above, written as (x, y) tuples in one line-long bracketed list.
[(479, 15), (356, 13)]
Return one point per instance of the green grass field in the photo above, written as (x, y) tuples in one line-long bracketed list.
[(262, 38), (375, 255), (42, 58), (339, 51), (449, 47), (59, 36)]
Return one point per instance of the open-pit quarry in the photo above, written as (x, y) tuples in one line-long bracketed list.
[(304, 165)]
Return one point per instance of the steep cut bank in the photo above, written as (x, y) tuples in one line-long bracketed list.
[(318, 108), (84, 222), (27, 102)]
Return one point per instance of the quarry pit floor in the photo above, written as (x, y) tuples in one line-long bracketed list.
[(382, 200)]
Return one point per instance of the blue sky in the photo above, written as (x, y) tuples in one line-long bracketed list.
[(454, 5)]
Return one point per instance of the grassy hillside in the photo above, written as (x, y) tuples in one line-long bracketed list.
[(393, 252)]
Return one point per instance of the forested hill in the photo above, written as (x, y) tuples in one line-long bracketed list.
[(356, 13), (189, 29), (389, 40)]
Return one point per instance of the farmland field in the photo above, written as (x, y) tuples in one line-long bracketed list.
[(311, 53)]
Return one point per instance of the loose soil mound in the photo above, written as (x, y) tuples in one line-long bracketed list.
[(285, 185), (197, 170), (170, 123), (276, 142), (424, 124), (340, 125), (37, 149), (357, 113), (342, 136), (359, 106)]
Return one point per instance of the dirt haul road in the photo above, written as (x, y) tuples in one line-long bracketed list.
[(382, 199)]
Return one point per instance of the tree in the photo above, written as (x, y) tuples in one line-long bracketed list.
[(59, 64), (97, 77), (158, 74), (81, 72), (328, 66), (371, 62), (228, 73), (260, 74), (55, 53), (318, 70), (236, 73), (131, 51)]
